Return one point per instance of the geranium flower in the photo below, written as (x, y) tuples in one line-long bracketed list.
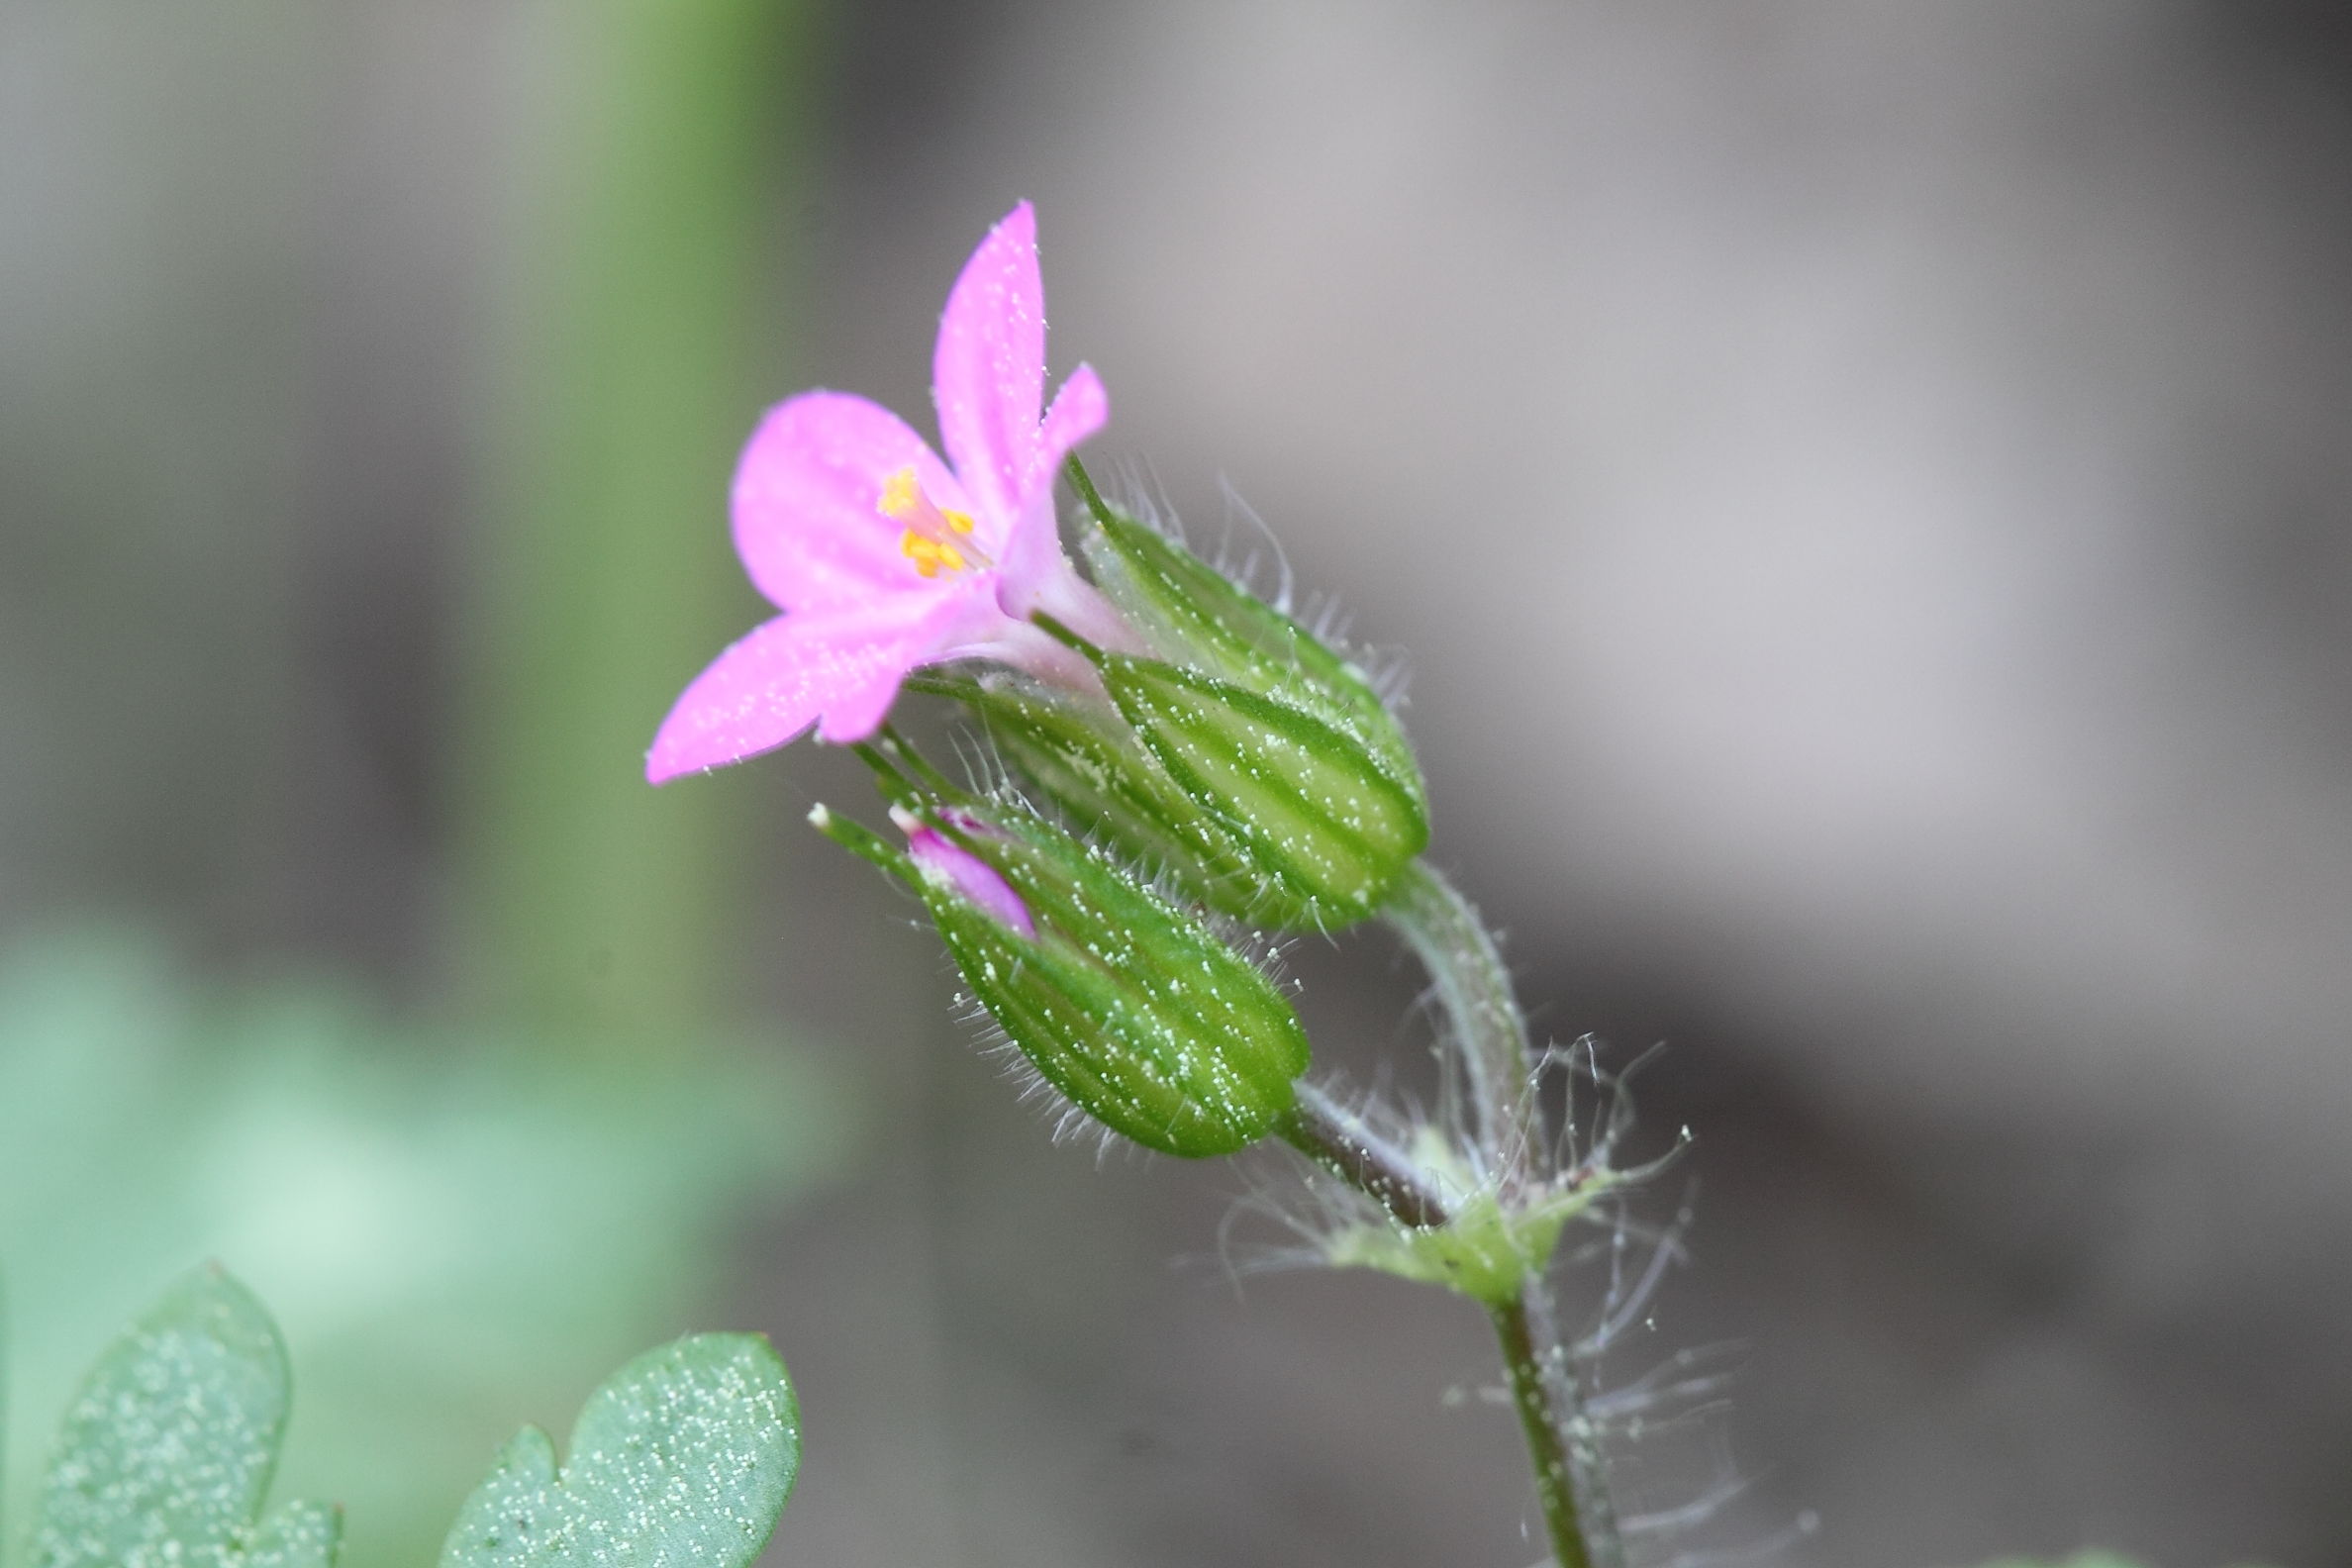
[(885, 558)]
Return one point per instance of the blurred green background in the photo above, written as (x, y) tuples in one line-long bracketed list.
[(1863, 490), (504, 1114)]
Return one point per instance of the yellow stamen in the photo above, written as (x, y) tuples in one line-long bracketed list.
[(926, 540), (902, 495), (929, 554)]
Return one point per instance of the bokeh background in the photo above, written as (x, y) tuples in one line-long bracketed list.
[(1863, 489)]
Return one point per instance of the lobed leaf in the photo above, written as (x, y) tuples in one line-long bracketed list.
[(297, 1535), (166, 1454), (684, 1457)]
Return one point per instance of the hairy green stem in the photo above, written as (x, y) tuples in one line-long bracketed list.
[(1496, 1064), (1547, 1440), (1491, 1036), (1571, 1478), (1561, 1444), (1338, 1140)]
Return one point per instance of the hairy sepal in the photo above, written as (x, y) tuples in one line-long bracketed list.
[(1195, 616), (1125, 1003), (1327, 823), (1099, 775)]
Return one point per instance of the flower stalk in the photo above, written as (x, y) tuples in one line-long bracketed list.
[(1557, 1438), (1341, 1143), (1489, 1055), (1492, 1054), (1563, 1444)]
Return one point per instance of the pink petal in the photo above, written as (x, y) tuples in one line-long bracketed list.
[(1079, 409), (975, 879), (807, 494), (988, 370), (1031, 554), (842, 667)]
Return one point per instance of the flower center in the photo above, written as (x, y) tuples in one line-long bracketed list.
[(931, 535)]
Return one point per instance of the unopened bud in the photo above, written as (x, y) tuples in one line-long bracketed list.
[(1129, 1005), (1195, 617), (1240, 755), (1083, 757), (1327, 828)]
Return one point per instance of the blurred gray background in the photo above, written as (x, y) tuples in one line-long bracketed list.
[(1865, 492)]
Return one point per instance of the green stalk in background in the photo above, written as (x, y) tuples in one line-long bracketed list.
[(632, 350)]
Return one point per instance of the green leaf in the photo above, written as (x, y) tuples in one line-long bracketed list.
[(684, 1457), (469, 1225), (297, 1535), (167, 1452)]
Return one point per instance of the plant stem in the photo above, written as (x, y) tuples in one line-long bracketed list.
[(1338, 1140), (1497, 1066), (1454, 947), (1570, 1481), (1547, 1447)]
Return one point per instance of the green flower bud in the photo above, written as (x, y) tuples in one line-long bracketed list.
[(1324, 825), (1083, 757), (1129, 1005), (1194, 617), (1246, 760)]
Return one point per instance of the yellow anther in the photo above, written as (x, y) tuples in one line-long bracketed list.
[(925, 539), (902, 495), (929, 554)]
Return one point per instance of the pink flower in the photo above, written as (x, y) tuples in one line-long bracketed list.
[(886, 559), (943, 861)]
